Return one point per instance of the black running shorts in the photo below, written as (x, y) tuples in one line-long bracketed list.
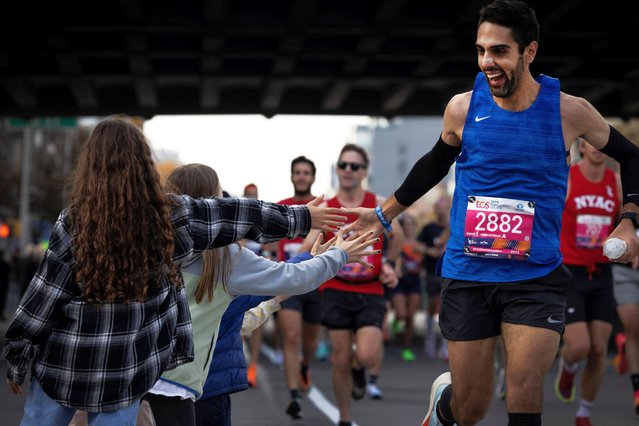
[(475, 310), (592, 295), (343, 310), (309, 305)]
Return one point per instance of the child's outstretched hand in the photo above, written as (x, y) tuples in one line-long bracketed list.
[(319, 248), (357, 248)]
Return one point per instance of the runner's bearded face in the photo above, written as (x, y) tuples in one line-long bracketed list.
[(499, 59), (302, 178), (510, 81)]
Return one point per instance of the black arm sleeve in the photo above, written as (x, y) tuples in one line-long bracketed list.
[(627, 154), (427, 172)]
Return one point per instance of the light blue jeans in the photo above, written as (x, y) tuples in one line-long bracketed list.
[(41, 410)]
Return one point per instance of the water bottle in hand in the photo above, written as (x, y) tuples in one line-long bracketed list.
[(614, 248)]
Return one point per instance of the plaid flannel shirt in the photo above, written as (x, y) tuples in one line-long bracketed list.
[(103, 357)]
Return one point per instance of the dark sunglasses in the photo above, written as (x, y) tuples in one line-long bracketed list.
[(354, 166)]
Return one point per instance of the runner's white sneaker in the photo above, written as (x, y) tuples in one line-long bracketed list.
[(436, 390), (374, 391)]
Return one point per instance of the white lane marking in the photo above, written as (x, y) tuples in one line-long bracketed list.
[(314, 395), (322, 404), (274, 356)]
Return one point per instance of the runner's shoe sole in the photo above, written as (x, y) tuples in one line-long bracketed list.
[(295, 410), (359, 383), (435, 393)]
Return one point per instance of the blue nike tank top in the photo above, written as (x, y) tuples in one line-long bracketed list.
[(514, 160)]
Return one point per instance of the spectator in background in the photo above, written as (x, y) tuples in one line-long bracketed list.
[(433, 238), (257, 335), (406, 297), (250, 191)]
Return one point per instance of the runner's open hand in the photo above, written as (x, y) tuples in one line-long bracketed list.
[(366, 223)]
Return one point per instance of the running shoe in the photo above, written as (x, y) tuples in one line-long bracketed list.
[(278, 357), (323, 350), (619, 361), (565, 388), (251, 374), (582, 421), (359, 383), (305, 380), (374, 391), (500, 389), (637, 402), (408, 355), (396, 327), (436, 390), (295, 409)]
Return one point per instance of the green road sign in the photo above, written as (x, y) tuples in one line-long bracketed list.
[(45, 122)]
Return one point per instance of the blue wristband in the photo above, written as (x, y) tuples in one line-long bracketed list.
[(382, 219)]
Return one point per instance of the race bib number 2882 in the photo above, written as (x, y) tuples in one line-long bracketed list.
[(498, 228)]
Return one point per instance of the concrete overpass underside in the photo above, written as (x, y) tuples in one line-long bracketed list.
[(370, 57)]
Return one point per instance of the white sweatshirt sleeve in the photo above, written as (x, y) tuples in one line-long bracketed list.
[(256, 275), (255, 317)]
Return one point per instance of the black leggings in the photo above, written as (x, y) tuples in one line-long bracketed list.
[(171, 410)]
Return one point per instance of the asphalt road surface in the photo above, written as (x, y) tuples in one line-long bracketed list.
[(406, 388)]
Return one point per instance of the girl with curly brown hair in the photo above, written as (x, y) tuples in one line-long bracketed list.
[(106, 313)]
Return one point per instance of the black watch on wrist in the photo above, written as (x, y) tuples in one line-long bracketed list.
[(632, 216)]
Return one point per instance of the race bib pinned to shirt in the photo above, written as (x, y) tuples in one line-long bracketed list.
[(356, 272), (592, 230), (498, 228)]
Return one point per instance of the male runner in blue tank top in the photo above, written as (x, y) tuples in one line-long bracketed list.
[(502, 267)]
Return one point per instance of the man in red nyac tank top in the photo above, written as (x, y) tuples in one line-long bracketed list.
[(353, 303), (592, 208)]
